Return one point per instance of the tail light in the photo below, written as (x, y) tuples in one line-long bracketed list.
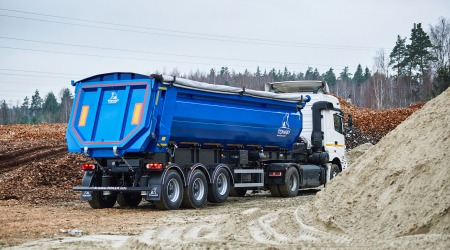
[(87, 167), (275, 173), (154, 166)]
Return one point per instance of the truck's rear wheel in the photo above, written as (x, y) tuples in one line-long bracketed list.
[(220, 188), (195, 193), (274, 190), (172, 191), (129, 199), (238, 192), (102, 201), (291, 185)]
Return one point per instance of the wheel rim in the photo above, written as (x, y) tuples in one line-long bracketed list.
[(293, 183), (222, 184), (173, 190), (199, 189), (335, 172)]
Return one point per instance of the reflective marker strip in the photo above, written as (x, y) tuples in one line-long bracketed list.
[(334, 145), (83, 116), (136, 113)]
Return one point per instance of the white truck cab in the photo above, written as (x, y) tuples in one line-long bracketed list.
[(323, 129)]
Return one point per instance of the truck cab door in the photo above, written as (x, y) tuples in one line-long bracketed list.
[(334, 138)]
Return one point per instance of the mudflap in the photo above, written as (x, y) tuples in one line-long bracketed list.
[(154, 194), (155, 185), (87, 182)]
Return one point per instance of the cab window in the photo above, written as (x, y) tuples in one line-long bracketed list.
[(338, 123)]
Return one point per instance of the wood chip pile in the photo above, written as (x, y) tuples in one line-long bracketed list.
[(35, 165), (370, 125)]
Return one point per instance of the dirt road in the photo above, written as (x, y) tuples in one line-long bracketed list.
[(255, 221)]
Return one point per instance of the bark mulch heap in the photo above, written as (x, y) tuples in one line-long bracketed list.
[(370, 125), (35, 165)]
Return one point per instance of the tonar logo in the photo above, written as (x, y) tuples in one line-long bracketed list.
[(284, 129), (113, 99), (153, 192)]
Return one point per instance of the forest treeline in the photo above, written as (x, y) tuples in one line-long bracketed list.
[(417, 69)]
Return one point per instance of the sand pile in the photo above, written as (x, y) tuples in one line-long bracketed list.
[(400, 187), (353, 155)]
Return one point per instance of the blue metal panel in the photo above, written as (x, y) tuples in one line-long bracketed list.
[(174, 114), (205, 117), (111, 107)]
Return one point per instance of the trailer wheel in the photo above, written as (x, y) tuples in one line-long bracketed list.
[(172, 191), (291, 186), (129, 199), (274, 190), (102, 201), (195, 193), (238, 192), (220, 188), (334, 171)]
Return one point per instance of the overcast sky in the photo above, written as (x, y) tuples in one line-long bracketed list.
[(45, 44)]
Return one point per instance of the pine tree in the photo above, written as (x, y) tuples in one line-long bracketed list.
[(398, 56), (24, 111), (442, 80), (286, 74), (50, 108), (367, 74), (309, 75), (419, 49), (330, 77), (316, 75), (358, 77), (36, 107), (4, 110), (345, 75)]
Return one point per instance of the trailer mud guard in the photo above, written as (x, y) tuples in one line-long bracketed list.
[(87, 180)]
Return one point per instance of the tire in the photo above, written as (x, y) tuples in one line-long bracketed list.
[(197, 190), (292, 184), (102, 201), (129, 199), (274, 190), (238, 192), (220, 188), (171, 191), (99, 200), (334, 171)]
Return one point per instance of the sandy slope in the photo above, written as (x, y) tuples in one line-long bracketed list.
[(400, 187)]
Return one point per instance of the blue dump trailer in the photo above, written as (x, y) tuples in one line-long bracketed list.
[(177, 142)]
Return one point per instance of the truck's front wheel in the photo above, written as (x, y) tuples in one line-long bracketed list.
[(334, 171), (172, 191), (291, 185)]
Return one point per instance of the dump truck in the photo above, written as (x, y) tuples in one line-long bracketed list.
[(179, 143)]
